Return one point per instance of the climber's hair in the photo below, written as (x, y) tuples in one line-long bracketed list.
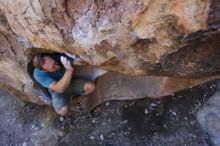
[(38, 60)]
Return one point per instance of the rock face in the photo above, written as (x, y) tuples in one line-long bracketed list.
[(46, 137), (133, 37), (209, 117), (114, 86)]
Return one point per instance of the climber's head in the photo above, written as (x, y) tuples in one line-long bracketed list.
[(45, 62)]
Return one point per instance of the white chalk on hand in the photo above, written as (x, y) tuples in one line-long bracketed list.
[(65, 62), (71, 55)]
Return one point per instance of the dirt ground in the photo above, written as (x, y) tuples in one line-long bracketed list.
[(169, 121)]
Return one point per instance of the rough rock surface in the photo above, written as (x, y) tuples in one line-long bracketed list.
[(46, 137), (135, 37), (114, 86), (209, 117), (168, 121)]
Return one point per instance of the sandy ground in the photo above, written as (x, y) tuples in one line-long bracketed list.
[(169, 121)]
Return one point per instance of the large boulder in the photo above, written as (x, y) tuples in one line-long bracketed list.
[(176, 40)]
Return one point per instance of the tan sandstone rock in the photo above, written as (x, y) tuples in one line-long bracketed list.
[(175, 40)]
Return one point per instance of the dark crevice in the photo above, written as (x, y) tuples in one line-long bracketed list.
[(2, 52), (42, 92), (41, 8), (84, 71), (26, 10), (214, 13)]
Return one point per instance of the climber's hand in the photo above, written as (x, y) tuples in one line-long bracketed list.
[(71, 55), (66, 63)]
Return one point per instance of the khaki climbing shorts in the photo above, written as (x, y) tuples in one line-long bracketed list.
[(75, 89)]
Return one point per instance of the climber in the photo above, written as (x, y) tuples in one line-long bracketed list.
[(55, 72)]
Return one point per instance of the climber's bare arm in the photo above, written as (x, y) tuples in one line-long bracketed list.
[(61, 85)]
